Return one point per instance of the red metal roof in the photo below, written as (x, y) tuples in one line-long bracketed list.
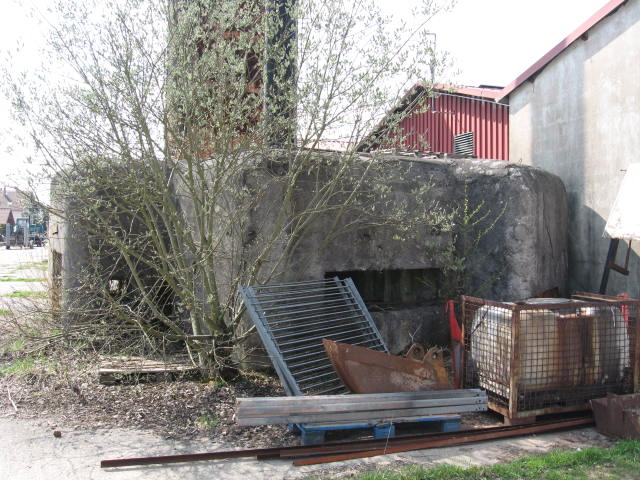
[(491, 93), (452, 111), (606, 10), (453, 114)]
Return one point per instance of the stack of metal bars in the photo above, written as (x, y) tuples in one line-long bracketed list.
[(293, 318)]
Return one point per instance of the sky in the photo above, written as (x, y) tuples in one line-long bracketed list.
[(489, 41)]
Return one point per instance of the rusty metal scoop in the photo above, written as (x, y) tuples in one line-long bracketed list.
[(368, 371)]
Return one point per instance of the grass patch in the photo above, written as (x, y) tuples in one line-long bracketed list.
[(16, 346), (619, 462), (20, 279), (26, 294), (207, 422), (18, 366), (5, 312), (41, 265)]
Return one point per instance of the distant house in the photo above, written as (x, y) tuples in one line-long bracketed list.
[(6, 218), (15, 205), (13, 200), (576, 113), (464, 121)]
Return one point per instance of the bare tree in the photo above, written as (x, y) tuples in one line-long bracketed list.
[(182, 137)]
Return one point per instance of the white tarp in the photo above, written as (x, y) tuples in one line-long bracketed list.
[(624, 219)]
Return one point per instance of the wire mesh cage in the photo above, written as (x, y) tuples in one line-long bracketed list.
[(550, 355)]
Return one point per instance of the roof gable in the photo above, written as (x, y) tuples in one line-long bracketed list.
[(6, 216)]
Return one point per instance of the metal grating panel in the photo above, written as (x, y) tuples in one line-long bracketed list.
[(463, 144), (292, 319)]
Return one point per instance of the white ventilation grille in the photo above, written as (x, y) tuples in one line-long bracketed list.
[(463, 144)]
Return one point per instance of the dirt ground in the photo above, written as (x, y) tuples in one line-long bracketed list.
[(43, 391)]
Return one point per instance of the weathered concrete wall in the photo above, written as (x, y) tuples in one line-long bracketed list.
[(524, 252), (579, 118), (82, 265), (515, 243)]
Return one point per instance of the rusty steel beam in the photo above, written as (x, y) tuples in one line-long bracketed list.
[(358, 447), (466, 437), (268, 453), (192, 457)]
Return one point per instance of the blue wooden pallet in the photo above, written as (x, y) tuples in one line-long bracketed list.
[(314, 433)]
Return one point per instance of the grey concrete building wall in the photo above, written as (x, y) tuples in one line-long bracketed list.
[(525, 252), (517, 247), (579, 118)]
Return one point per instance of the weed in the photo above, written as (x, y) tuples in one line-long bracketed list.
[(207, 422), (42, 265), (20, 279), (5, 312), (16, 346), (217, 382), (18, 366), (26, 294)]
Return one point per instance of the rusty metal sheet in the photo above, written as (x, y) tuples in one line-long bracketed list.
[(364, 370), (618, 415)]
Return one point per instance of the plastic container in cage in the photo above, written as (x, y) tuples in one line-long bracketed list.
[(550, 355)]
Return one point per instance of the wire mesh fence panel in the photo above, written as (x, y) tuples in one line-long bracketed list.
[(549, 355), (292, 319)]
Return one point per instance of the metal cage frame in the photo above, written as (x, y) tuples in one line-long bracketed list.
[(550, 357)]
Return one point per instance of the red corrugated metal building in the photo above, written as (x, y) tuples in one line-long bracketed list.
[(463, 121)]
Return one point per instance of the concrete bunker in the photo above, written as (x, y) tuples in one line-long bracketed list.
[(517, 247)]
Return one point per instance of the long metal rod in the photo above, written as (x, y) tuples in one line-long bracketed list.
[(305, 331), (289, 298), (314, 324), (294, 284), (337, 388), (333, 336), (249, 410), (289, 306), (377, 416), (324, 334), (290, 321), (288, 317), (317, 384), (364, 397), (309, 370), (355, 446)]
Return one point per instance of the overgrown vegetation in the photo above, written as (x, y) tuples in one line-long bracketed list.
[(462, 267), (619, 462), (18, 366), (180, 142)]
